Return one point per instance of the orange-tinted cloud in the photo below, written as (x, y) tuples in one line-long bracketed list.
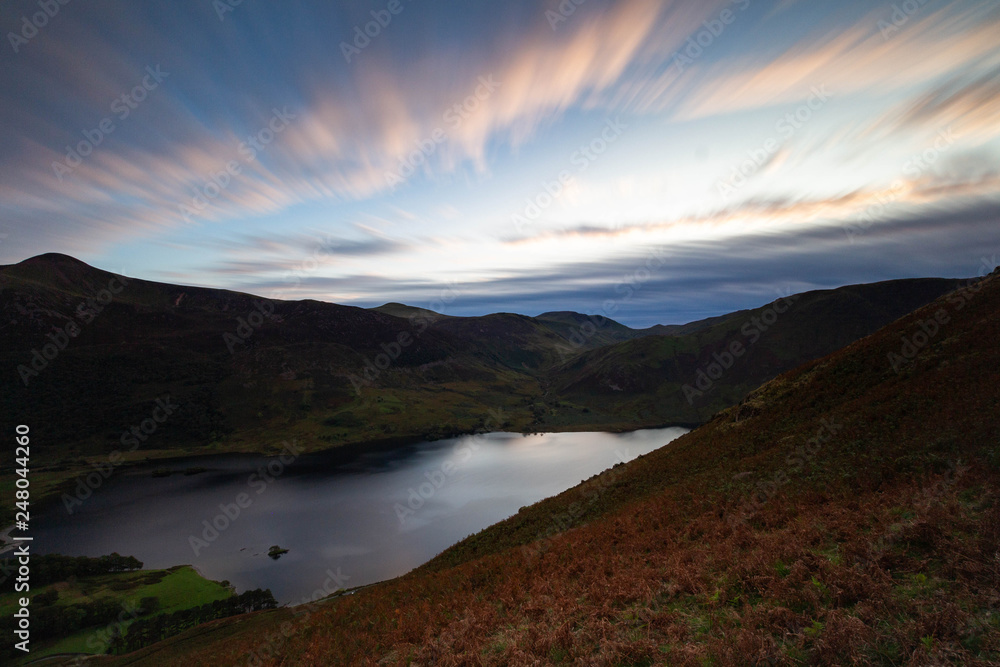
[(776, 213), (858, 58)]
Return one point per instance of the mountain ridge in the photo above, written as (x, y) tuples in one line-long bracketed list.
[(246, 368), (818, 521)]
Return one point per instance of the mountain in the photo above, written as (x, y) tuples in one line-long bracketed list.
[(845, 512), (88, 356), (87, 353), (590, 331), (409, 312), (701, 368)]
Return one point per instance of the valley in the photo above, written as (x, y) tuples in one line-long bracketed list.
[(240, 374), (604, 333), (386, 394), (819, 520)]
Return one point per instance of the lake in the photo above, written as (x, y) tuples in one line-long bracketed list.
[(346, 518)]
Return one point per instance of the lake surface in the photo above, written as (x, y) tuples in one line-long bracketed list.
[(361, 518)]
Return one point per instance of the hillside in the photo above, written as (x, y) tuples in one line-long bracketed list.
[(72, 610), (245, 372), (406, 312), (846, 512), (87, 355), (712, 364), (590, 331)]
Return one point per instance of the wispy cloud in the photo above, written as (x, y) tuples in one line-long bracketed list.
[(968, 182), (848, 60), (698, 279), (967, 102), (353, 123), (344, 141)]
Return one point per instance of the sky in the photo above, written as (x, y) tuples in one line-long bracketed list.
[(653, 162)]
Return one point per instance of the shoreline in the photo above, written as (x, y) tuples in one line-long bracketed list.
[(352, 450), (390, 445), (333, 456)]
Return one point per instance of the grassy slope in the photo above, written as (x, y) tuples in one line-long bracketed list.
[(875, 543), (642, 380), (292, 377), (178, 588)]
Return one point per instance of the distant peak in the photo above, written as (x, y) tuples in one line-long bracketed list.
[(567, 315), (54, 266), (402, 310), (54, 258)]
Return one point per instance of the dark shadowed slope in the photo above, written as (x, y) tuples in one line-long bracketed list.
[(687, 378), (848, 512), (86, 355)]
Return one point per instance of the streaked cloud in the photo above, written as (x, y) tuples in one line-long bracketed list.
[(967, 103), (848, 60), (695, 279), (969, 181), (482, 105)]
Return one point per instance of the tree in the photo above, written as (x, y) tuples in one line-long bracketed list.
[(149, 605)]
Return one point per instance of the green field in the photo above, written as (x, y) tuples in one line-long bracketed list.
[(176, 589)]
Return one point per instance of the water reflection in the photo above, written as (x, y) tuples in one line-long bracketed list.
[(366, 516)]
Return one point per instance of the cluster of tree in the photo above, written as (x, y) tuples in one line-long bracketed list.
[(62, 621), (146, 631), (52, 568), (49, 620), (52, 621)]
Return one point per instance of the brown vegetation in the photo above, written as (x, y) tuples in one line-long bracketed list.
[(851, 515)]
